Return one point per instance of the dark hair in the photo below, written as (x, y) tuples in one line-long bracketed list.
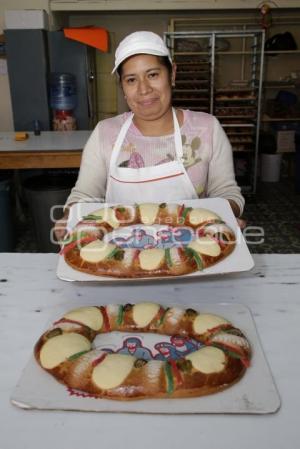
[(164, 60)]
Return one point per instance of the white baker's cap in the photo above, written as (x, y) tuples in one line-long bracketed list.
[(140, 42)]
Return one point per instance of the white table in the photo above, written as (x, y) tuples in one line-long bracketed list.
[(29, 294)]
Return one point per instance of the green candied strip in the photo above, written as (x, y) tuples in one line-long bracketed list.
[(192, 253), (76, 356), (54, 332), (116, 253), (160, 321), (74, 237), (120, 315), (92, 217), (235, 355), (112, 254), (169, 376), (119, 255), (186, 210), (221, 236), (168, 257)]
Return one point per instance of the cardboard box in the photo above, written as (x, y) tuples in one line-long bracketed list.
[(22, 19), (285, 141)]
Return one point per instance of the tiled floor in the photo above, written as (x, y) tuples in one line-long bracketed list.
[(273, 221), (275, 213)]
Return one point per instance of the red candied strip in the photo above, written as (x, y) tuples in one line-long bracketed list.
[(80, 394), (160, 315), (246, 362), (66, 320), (236, 349), (107, 327), (176, 372), (98, 360), (201, 233), (72, 245), (119, 215), (219, 242), (221, 327), (181, 209), (136, 255)]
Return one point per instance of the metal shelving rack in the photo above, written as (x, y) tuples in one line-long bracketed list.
[(206, 63)]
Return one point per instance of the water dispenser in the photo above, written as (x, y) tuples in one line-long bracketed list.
[(63, 99)]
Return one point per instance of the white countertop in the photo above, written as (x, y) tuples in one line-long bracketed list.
[(29, 294), (47, 141)]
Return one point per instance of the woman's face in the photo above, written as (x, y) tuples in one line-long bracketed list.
[(146, 84)]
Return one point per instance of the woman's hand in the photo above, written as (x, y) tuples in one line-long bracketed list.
[(60, 227), (242, 223), (236, 210)]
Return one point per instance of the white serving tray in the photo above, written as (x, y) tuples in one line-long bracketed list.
[(239, 260), (255, 393)]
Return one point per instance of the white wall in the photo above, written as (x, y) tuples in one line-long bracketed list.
[(163, 5)]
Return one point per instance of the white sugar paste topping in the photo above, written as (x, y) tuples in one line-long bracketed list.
[(86, 226), (174, 315), (112, 310), (235, 340), (128, 256), (175, 256), (66, 326), (216, 227), (172, 208), (85, 361), (153, 369)]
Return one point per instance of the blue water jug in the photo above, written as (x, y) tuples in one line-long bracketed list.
[(62, 91)]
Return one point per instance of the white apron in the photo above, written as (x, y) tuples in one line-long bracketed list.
[(160, 183)]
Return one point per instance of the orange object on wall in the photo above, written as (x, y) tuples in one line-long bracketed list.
[(93, 36)]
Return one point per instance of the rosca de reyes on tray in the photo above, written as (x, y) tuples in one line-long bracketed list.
[(67, 352), (161, 240)]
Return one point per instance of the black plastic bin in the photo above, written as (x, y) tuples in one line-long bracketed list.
[(46, 196), (7, 235), (297, 165)]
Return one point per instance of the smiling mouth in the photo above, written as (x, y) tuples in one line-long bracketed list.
[(148, 102)]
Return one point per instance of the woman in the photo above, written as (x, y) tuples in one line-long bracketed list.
[(154, 153)]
